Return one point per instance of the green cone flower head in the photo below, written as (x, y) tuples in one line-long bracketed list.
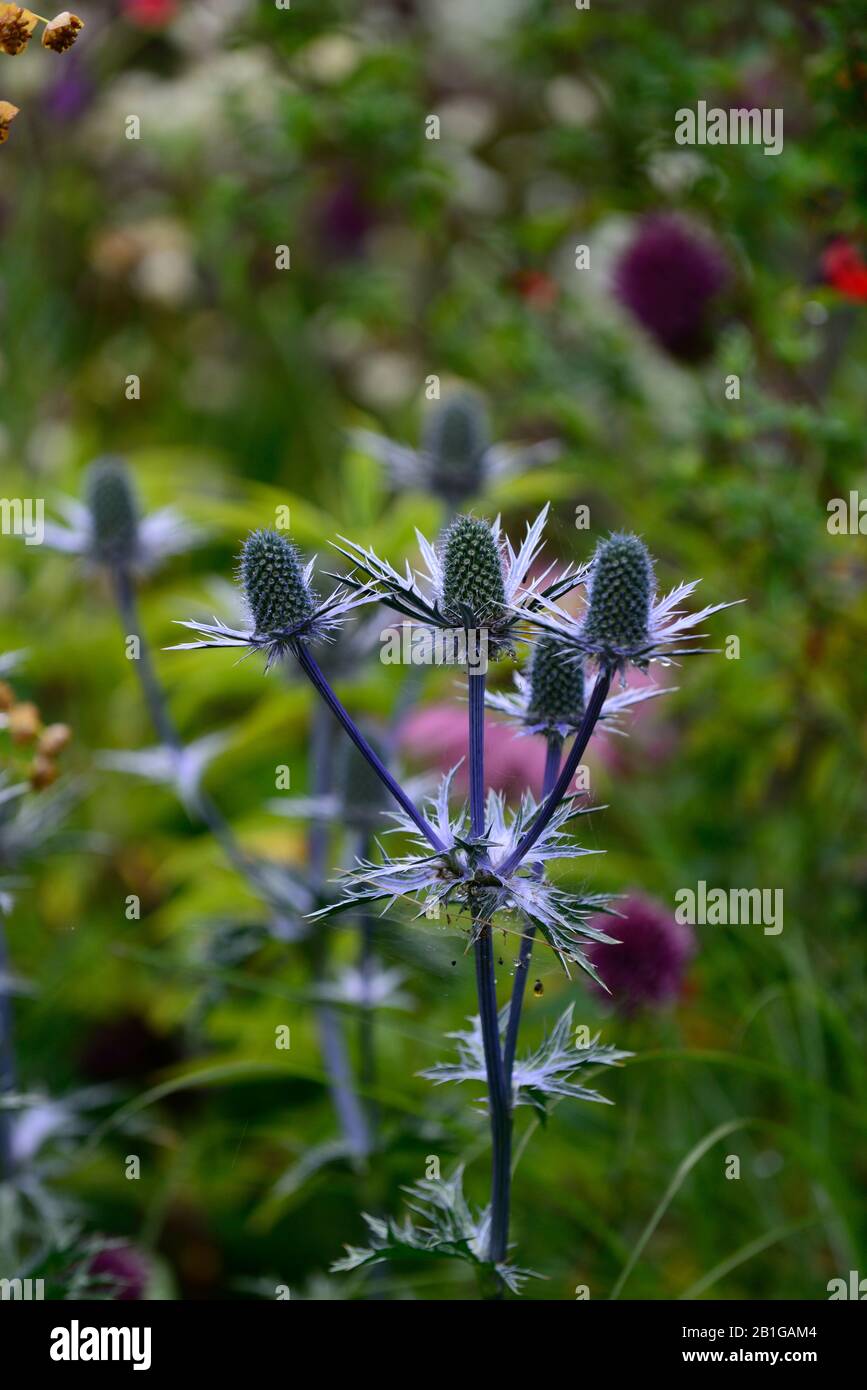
[(473, 589), (114, 512), (621, 591), (274, 582), (556, 683), (455, 440)]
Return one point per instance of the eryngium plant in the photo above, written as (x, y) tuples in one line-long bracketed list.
[(484, 862)]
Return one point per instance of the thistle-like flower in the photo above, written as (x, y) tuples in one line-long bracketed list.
[(108, 529), (465, 876), (549, 698), (456, 460), (285, 610), (473, 579), (623, 621)]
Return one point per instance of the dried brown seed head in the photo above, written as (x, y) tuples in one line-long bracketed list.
[(62, 31), (16, 26)]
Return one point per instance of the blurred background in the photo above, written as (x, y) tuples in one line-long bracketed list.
[(284, 258)]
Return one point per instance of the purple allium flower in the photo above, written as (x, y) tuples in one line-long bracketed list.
[(646, 969), (123, 1272), (344, 219), (668, 277)]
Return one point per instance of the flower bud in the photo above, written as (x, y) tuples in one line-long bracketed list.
[(473, 589), (113, 511), (16, 26), (556, 683), (621, 589), (61, 32), (273, 581), (455, 439)]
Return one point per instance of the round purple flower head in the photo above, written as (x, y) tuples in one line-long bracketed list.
[(122, 1271), (668, 277), (646, 969)]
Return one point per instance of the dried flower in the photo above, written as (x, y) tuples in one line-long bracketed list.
[(61, 32), (668, 277), (16, 26), (43, 772), (54, 739), (646, 968), (8, 112), (24, 722)]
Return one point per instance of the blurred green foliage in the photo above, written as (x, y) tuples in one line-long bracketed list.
[(452, 257)]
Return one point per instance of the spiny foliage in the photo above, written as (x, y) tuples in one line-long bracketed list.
[(556, 682), (473, 590), (447, 1228), (621, 589), (273, 581), (114, 511)]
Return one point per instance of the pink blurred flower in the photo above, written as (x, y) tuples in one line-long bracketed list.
[(436, 736), (150, 14), (647, 968), (124, 1270)]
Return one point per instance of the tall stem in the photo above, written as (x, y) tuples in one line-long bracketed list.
[(7, 1058), (498, 1101), (332, 1039), (522, 968), (311, 669), (561, 786)]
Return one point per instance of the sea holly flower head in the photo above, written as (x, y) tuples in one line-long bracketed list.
[(456, 460), (623, 621), (16, 27), (108, 528), (284, 608), (465, 876), (61, 32), (549, 698), (548, 1071), (475, 577), (474, 594)]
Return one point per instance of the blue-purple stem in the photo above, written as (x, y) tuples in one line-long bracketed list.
[(7, 1058), (525, 951), (486, 986), (332, 1041), (561, 787), (311, 669)]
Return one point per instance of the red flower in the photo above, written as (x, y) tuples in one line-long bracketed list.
[(150, 14), (844, 268)]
